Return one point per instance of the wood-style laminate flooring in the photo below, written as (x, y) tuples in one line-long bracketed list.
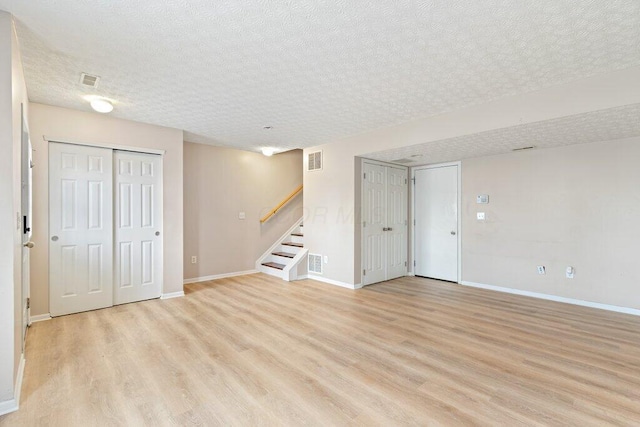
[(255, 350)]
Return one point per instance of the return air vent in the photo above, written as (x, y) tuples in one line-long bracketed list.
[(315, 161), (89, 80), (315, 263)]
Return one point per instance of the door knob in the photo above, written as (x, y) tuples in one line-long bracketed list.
[(29, 245), (389, 228), (453, 233), (54, 238), (157, 233)]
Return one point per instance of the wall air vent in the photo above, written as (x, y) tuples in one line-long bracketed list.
[(89, 80), (403, 161), (531, 147), (315, 263), (315, 161)]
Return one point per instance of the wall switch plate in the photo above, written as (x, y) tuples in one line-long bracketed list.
[(541, 269), (482, 199), (480, 216), (194, 259), (241, 215)]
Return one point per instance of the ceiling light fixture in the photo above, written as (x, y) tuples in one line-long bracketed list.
[(268, 151), (101, 105)]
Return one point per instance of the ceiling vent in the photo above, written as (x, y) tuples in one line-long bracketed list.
[(315, 161), (89, 80), (315, 263), (403, 161)]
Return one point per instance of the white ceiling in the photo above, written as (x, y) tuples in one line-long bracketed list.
[(603, 125), (315, 70)]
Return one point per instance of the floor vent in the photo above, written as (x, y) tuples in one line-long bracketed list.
[(315, 263), (89, 80), (315, 161)]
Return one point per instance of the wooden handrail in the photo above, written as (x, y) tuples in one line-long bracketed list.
[(286, 200)]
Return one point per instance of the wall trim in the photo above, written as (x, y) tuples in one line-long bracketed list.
[(12, 405), (219, 276), (39, 318), (172, 295), (617, 309), (332, 282), (107, 145)]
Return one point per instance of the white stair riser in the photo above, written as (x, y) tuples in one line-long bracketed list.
[(271, 271), (280, 259), (290, 249), (297, 239)]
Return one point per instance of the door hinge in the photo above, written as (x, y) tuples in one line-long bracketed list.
[(364, 272), (405, 263), (364, 175), (28, 302), (364, 224), (414, 222), (414, 180), (414, 262), (405, 180)]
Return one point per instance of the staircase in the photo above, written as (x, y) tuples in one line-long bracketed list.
[(286, 258)]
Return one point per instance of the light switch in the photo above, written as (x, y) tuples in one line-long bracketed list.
[(480, 216), (241, 215)]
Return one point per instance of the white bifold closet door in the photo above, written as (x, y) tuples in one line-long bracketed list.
[(81, 228), (98, 260), (138, 224)]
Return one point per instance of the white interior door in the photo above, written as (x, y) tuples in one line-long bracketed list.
[(384, 216), (436, 226), (138, 254), (26, 209), (374, 221), (396, 234), (80, 227)]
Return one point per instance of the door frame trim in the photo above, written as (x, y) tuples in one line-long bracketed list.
[(364, 160), (105, 145), (459, 210)]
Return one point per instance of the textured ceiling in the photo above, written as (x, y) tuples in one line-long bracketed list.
[(603, 125), (315, 70)]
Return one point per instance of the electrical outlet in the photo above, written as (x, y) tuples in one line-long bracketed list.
[(541, 269), (570, 272), (241, 215), (481, 216), (194, 259)]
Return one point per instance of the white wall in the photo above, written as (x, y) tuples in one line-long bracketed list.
[(12, 95), (570, 206), (70, 125), (330, 193), (221, 182)]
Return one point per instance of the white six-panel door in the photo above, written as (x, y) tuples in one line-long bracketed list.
[(80, 228), (138, 225), (384, 216), (436, 222)]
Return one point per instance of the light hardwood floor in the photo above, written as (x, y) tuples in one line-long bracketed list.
[(255, 350)]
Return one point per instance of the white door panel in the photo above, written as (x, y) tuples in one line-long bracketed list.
[(436, 215), (138, 249), (374, 219), (384, 215), (80, 228)]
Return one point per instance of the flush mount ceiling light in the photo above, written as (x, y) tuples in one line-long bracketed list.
[(268, 151), (101, 105)]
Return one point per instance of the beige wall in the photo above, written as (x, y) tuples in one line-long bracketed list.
[(576, 205), (219, 183), (331, 193), (70, 125), (12, 95)]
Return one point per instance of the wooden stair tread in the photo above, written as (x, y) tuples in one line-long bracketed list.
[(297, 245), (283, 254), (274, 265), (297, 234)]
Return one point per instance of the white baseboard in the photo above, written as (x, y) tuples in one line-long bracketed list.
[(219, 276), (172, 295), (331, 281), (39, 318), (618, 309), (12, 405)]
